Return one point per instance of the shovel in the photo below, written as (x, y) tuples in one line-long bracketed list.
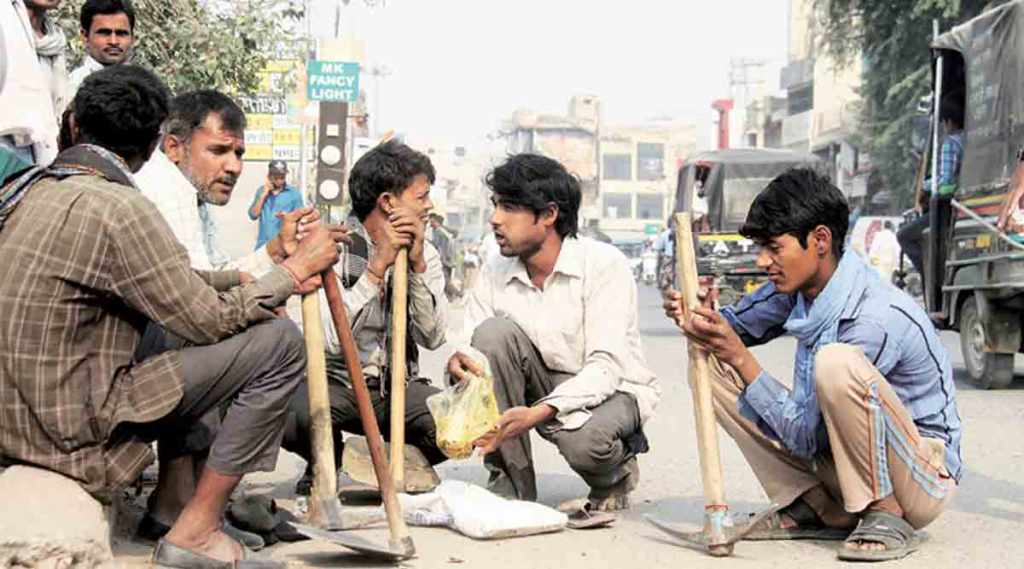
[(401, 545), (325, 512)]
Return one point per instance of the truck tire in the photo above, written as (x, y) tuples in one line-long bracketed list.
[(984, 369)]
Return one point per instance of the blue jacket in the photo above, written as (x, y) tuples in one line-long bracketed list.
[(895, 334)]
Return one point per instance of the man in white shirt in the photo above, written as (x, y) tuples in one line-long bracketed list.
[(197, 165), (555, 317), (108, 33), (31, 64)]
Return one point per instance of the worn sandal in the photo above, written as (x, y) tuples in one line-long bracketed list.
[(898, 537), (808, 526), (168, 555), (589, 518)]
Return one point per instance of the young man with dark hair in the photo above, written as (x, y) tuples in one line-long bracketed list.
[(390, 191), (869, 431), (108, 33), (89, 262), (556, 320)]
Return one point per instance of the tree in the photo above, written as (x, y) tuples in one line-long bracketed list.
[(194, 44), (893, 39)]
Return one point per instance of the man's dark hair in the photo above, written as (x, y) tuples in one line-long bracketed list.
[(190, 110), (388, 167), (536, 182), (121, 108), (952, 109), (92, 8), (796, 202), (437, 217)]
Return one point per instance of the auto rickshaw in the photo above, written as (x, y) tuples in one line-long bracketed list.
[(974, 259), (718, 188)]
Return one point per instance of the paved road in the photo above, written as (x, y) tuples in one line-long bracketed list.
[(982, 529)]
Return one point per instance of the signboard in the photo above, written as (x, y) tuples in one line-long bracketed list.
[(333, 81)]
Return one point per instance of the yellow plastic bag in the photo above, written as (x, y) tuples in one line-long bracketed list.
[(463, 413)]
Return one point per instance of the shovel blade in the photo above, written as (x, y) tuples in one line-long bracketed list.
[(390, 552)]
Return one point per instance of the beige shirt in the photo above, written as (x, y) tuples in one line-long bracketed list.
[(583, 322)]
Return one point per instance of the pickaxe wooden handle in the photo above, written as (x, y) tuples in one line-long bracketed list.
[(715, 508)]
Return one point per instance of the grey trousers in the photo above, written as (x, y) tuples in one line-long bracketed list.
[(420, 430), (236, 396), (597, 451)]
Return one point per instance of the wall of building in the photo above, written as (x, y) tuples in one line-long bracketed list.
[(638, 175)]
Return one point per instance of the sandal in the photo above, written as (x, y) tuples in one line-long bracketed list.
[(808, 526), (589, 518), (168, 555), (898, 537)]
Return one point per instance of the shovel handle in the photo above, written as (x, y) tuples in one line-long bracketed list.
[(399, 321), (324, 477), (396, 523)]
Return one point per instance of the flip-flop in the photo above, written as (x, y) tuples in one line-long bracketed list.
[(584, 518), (898, 537), (808, 526), (167, 555)]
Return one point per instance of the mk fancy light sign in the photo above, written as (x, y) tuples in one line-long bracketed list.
[(334, 81)]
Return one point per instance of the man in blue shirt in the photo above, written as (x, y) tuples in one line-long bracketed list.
[(911, 235), (275, 197), (869, 433)]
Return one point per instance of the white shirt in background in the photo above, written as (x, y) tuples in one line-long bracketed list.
[(584, 322), (87, 68)]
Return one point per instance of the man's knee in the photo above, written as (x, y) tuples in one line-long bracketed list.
[(836, 373), (493, 334), (282, 340), (588, 450)]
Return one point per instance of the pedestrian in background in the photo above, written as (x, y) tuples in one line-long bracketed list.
[(275, 197)]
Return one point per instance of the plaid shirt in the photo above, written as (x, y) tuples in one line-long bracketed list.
[(88, 261), (949, 159)]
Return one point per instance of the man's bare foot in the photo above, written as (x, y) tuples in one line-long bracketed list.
[(216, 545), (888, 505)]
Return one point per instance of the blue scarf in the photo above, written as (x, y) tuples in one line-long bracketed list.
[(816, 324)]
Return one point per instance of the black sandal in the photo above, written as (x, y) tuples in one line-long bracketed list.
[(808, 526), (898, 537)]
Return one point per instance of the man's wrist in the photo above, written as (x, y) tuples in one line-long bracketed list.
[(747, 367), (296, 269), (544, 412)]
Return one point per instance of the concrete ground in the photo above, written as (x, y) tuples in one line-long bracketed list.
[(980, 530)]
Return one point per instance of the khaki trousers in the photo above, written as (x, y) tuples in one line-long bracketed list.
[(875, 448)]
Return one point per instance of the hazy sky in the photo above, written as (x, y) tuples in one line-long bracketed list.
[(459, 67)]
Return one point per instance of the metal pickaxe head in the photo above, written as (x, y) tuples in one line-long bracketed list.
[(717, 538)]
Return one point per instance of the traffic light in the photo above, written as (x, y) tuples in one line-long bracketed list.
[(330, 154)]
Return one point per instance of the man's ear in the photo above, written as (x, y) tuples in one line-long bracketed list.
[(823, 240), (386, 202), (84, 34), (549, 216), (174, 148)]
